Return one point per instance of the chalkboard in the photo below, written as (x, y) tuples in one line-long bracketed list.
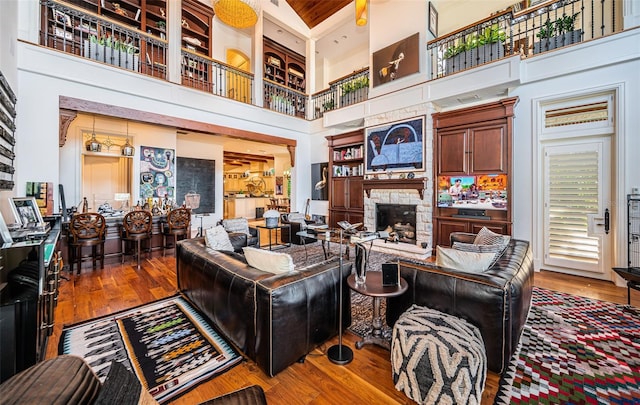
[(196, 176)]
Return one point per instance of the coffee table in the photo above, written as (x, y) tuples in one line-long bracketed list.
[(373, 288)]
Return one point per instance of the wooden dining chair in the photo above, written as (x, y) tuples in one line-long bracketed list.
[(178, 226), (86, 230), (136, 228)]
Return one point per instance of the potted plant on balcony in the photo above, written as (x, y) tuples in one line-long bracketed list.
[(475, 49), (354, 91), (558, 33), (329, 105)]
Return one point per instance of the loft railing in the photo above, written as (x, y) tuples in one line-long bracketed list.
[(542, 28), (353, 88), (206, 74), (73, 30), (284, 100), (323, 101)]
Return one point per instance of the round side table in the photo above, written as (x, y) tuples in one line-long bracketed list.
[(373, 288)]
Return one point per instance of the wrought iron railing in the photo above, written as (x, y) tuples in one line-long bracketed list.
[(525, 32), (353, 88), (80, 32), (203, 73), (284, 100), (325, 100)]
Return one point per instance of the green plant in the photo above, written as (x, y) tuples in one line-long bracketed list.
[(329, 105), (562, 25), (161, 24), (355, 84), (566, 23), (491, 35)]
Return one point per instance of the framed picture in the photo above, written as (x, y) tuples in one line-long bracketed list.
[(396, 147), (319, 188), (26, 212), (396, 60), (61, 18), (433, 20)]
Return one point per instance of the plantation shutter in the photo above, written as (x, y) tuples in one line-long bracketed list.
[(572, 194)]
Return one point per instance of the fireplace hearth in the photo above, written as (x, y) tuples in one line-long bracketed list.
[(399, 220)]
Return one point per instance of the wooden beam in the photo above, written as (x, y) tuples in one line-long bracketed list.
[(92, 107)]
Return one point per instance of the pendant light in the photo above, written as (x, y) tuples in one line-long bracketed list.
[(127, 148), (361, 12), (237, 13), (92, 144)]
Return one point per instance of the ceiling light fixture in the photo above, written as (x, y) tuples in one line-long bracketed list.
[(237, 13), (362, 9), (92, 144), (127, 148)]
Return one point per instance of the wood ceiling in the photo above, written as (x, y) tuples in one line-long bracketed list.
[(313, 12)]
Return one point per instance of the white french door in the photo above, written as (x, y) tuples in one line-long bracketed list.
[(577, 207)]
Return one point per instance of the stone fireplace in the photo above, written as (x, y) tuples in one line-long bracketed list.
[(418, 247), (399, 220)]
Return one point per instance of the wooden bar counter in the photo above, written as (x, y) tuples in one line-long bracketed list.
[(112, 244)]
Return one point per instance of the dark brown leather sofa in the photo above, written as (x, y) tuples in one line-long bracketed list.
[(496, 301), (274, 319)]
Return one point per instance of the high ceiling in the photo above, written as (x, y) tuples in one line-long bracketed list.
[(313, 12)]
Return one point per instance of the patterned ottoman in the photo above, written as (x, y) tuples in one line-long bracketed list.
[(437, 358)]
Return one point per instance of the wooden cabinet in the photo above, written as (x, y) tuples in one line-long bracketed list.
[(478, 149), (284, 66), (346, 177), (473, 143)]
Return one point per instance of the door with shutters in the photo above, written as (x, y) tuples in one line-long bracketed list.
[(577, 207)]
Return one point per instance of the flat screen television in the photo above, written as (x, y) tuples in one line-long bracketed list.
[(480, 192)]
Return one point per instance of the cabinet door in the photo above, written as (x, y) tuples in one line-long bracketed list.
[(494, 227), (339, 189), (445, 227), (488, 149), (452, 152), (356, 193), (337, 216)]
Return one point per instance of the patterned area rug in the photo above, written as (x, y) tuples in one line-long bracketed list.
[(575, 350), (361, 305), (167, 344)]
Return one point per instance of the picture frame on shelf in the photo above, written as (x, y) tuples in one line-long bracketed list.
[(397, 147), (26, 211), (61, 18), (433, 20)]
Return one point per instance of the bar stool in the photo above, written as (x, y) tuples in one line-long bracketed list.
[(86, 230), (136, 227), (178, 226)]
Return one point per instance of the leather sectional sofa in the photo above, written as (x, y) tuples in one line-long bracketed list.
[(274, 319), (496, 301)]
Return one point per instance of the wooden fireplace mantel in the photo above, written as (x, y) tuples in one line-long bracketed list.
[(395, 184)]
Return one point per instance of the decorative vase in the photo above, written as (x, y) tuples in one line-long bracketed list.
[(361, 264)]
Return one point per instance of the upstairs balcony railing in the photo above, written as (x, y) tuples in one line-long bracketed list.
[(82, 33), (215, 77), (526, 32)]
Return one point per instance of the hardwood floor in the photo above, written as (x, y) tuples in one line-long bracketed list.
[(367, 379)]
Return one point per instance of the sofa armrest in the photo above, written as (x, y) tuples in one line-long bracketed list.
[(496, 301), (463, 237), (296, 312)]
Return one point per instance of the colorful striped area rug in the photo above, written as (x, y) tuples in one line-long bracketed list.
[(575, 350), (167, 344)]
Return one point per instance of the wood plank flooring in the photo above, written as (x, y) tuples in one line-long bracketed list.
[(366, 380)]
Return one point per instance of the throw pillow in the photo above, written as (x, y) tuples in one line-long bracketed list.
[(466, 261), (266, 260), (299, 218), (240, 225), (217, 238), (488, 237), (497, 250)]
